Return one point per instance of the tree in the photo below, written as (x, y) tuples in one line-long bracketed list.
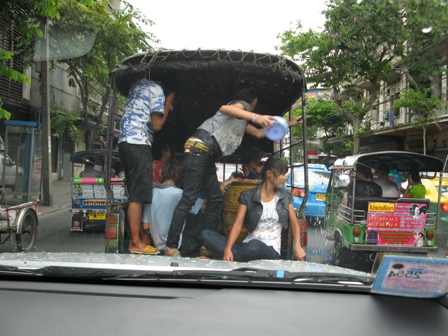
[(322, 113), (422, 107), (24, 16), (117, 35), (361, 43)]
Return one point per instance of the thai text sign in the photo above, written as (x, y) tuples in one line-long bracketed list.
[(396, 223)]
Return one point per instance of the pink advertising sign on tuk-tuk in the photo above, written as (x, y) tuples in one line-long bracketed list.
[(396, 223)]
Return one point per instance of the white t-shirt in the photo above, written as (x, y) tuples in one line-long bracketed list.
[(268, 229)]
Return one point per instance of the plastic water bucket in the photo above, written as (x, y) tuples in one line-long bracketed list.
[(278, 130)]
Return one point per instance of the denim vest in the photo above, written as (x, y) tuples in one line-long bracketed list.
[(252, 199)]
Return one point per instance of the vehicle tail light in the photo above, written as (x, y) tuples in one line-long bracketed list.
[(75, 203), (111, 232), (444, 206), (304, 239), (298, 192), (430, 234), (356, 232)]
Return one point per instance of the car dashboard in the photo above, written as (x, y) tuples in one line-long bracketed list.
[(137, 307)]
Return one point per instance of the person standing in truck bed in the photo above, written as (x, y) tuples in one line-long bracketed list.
[(219, 135)]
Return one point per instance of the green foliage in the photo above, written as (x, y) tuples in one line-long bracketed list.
[(65, 122), (420, 103), (4, 114), (360, 42), (117, 35), (321, 113)]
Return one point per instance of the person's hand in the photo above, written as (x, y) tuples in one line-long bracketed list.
[(225, 183), (295, 121), (170, 99), (265, 120), (228, 255), (299, 252)]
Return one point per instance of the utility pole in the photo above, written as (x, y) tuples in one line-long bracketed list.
[(47, 197)]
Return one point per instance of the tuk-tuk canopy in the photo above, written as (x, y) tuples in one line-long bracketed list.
[(204, 80), (95, 156), (400, 161)]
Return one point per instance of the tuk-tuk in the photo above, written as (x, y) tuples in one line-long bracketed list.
[(89, 197), (204, 80), (364, 228)]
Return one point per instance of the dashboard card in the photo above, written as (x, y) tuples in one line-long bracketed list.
[(412, 277)]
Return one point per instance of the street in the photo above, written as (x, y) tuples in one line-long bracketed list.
[(54, 235)]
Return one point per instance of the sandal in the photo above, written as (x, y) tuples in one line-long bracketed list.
[(149, 250)]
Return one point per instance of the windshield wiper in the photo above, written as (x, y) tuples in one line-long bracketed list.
[(245, 276), (239, 275), (13, 270)]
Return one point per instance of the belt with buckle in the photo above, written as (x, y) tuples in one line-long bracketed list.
[(197, 144)]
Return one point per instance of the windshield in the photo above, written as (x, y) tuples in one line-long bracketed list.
[(314, 177), (196, 144)]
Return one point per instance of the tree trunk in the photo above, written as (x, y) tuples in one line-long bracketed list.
[(356, 141), (424, 140)]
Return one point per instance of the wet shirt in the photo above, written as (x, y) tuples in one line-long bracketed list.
[(228, 131), (268, 229), (145, 97)]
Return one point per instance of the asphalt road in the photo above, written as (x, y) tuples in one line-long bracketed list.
[(54, 235)]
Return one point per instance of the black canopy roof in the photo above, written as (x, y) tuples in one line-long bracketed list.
[(206, 79)]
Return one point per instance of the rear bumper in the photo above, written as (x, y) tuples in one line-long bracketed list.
[(389, 248), (312, 209)]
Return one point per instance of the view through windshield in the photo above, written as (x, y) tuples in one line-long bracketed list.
[(126, 156)]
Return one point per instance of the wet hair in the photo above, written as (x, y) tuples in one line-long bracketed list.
[(252, 154), (168, 81), (174, 170), (364, 171), (415, 176), (246, 93), (237, 174), (276, 165)]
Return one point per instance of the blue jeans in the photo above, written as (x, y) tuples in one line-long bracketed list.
[(200, 171), (253, 250)]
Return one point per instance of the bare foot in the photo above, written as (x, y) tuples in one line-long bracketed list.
[(139, 247), (146, 239)]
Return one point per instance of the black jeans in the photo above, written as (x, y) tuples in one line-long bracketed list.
[(191, 245), (200, 171)]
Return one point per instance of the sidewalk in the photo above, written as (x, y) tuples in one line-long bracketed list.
[(61, 196)]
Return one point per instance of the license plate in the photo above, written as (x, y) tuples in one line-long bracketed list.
[(97, 216), (320, 197)]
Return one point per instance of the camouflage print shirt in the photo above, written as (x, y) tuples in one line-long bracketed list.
[(145, 97)]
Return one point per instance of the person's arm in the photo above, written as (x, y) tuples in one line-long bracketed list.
[(223, 185), (237, 111), (236, 229), (295, 121), (255, 132), (299, 252), (158, 119), (407, 191), (259, 132)]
